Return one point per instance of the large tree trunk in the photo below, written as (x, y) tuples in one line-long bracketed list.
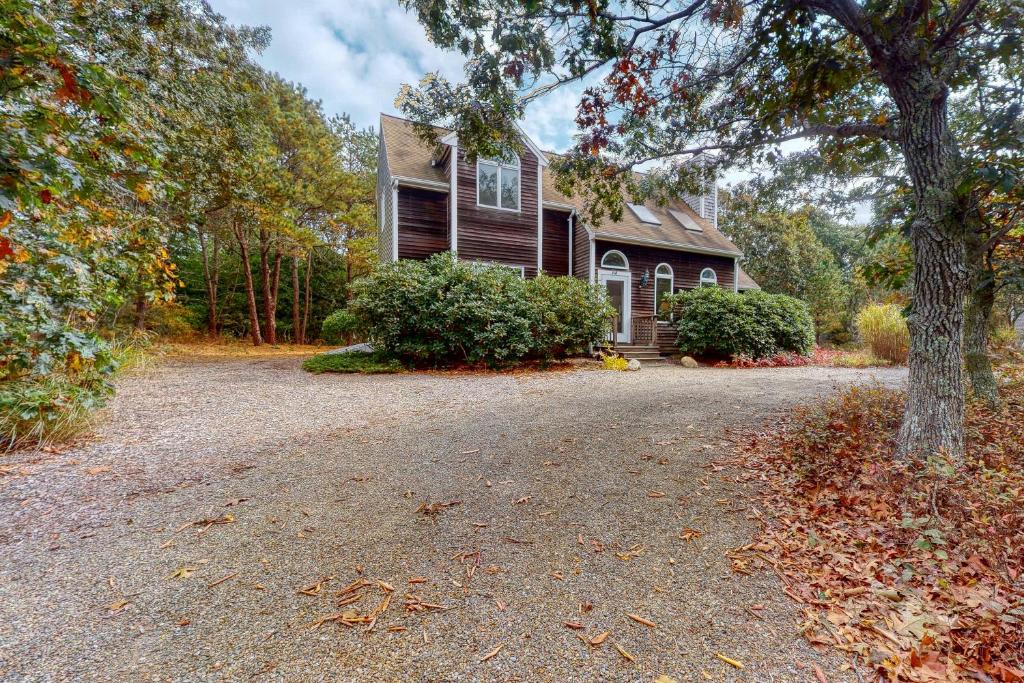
[(934, 418), (977, 318), (296, 313), (250, 290)]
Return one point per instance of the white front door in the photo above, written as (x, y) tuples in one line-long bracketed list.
[(617, 284)]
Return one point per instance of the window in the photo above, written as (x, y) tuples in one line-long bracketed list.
[(663, 283), (708, 277), (614, 259), (497, 184), (686, 220), (644, 214)]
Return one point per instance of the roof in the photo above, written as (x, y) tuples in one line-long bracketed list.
[(669, 233), (407, 154), (746, 282), (409, 157)]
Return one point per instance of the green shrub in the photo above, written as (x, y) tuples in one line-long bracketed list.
[(570, 315), (39, 409), (884, 329), (352, 362), (715, 322), (444, 311), (339, 326)]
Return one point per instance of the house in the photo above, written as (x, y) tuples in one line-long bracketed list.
[(510, 213)]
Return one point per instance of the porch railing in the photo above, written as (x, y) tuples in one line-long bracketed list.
[(645, 330)]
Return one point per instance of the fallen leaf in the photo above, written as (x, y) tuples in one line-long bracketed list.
[(665, 679), (491, 654), (655, 494), (600, 638), (729, 660), (98, 470), (182, 572), (574, 625), (640, 620), (623, 652), (118, 606)]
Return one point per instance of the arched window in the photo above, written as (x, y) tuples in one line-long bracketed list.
[(708, 277), (664, 282), (614, 259)]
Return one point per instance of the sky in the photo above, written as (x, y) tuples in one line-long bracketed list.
[(354, 55)]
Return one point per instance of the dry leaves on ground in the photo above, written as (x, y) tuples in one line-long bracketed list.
[(915, 569)]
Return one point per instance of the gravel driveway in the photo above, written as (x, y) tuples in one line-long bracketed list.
[(174, 545)]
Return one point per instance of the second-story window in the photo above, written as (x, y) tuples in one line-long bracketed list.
[(497, 184)]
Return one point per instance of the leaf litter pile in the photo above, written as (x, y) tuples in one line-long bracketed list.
[(915, 569)]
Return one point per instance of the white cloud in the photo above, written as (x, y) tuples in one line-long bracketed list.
[(355, 55)]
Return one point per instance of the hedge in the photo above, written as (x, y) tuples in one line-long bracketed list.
[(444, 311), (715, 322)]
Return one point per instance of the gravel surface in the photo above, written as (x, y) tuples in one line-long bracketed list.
[(560, 479)]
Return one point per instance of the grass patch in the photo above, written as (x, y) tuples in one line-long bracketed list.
[(365, 363)]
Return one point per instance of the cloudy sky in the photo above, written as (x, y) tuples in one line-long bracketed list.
[(353, 55)]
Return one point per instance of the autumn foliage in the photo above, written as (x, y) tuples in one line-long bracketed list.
[(914, 568)]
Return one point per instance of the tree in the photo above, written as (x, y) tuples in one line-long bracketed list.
[(783, 253), (740, 79)]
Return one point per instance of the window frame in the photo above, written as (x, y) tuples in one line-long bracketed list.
[(500, 166), (671, 277), (702, 280), (618, 268)]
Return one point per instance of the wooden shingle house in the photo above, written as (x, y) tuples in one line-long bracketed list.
[(511, 214)]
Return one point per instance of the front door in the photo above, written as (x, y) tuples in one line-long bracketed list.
[(617, 284)]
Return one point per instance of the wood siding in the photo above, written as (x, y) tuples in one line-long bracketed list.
[(580, 250), (422, 222), (555, 248), (487, 234), (686, 267)]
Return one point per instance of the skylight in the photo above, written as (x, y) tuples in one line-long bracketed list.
[(686, 220), (644, 214)]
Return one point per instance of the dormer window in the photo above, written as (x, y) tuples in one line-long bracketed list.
[(644, 214), (497, 184)]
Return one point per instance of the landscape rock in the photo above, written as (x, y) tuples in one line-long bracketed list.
[(633, 365), (364, 347), (688, 362)]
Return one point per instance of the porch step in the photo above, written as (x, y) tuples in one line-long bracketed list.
[(643, 353)]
